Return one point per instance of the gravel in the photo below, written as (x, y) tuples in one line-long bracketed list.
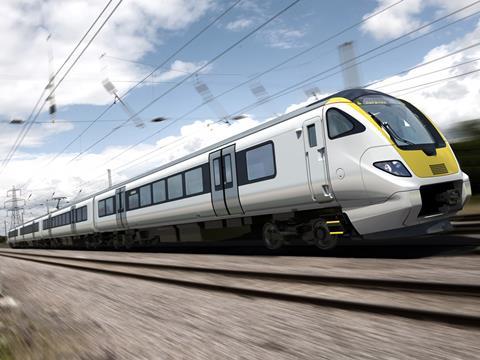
[(67, 314)]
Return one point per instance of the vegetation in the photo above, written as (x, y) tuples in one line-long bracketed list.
[(467, 150)]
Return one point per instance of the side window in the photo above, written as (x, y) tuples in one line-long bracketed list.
[(145, 195), (78, 214), (109, 206), (216, 172), (133, 200), (101, 208), (312, 135), (341, 124), (175, 187), (67, 215), (260, 162), (159, 194), (227, 170), (194, 181), (84, 214)]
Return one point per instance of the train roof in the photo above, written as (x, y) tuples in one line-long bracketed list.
[(350, 94)]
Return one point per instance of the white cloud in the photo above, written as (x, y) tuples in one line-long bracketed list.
[(445, 102), (408, 15), (68, 179), (283, 38), (134, 30), (37, 136), (239, 24), (180, 68)]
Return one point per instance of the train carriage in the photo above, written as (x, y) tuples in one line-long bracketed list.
[(358, 164)]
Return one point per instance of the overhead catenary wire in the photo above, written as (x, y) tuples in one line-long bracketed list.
[(54, 77), (138, 83), (258, 75), (434, 82), (208, 63), (38, 112), (428, 73), (303, 82), (134, 162), (309, 80)]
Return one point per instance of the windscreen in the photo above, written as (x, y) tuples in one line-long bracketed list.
[(405, 127)]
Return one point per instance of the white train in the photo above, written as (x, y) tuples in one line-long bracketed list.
[(357, 164)]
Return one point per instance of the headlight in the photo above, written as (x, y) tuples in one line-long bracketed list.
[(393, 167)]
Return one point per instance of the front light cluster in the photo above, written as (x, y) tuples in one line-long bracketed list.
[(393, 167)]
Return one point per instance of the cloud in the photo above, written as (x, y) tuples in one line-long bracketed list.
[(409, 15), (136, 29), (180, 68), (38, 135), (445, 102), (283, 38), (239, 24), (89, 173)]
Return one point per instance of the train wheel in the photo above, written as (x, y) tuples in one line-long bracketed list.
[(271, 236), (322, 238)]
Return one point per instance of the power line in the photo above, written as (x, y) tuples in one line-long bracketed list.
[(176, 52), (222, 53), (428, 73), (277, 66), (407, 42), (427, 84), (135, 161), (308, 80), (53, 77), (32, 121)]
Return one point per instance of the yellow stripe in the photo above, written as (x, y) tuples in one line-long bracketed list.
[(336, 232), (333, 222)]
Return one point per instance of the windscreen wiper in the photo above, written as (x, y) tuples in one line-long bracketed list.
[(385, 125)]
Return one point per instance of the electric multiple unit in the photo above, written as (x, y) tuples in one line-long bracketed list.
[(358, 164)]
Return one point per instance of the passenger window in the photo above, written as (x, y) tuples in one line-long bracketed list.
[(101, 209), (339, 124), (78, 217), (133, 201), (175, 187), (109, 206), (145, 195), (227, 169), (260, 163), (216, 172), (84, 214), (194, 181), (312, 136), (159, 194)]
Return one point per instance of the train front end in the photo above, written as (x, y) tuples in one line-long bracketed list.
[(413, 180)]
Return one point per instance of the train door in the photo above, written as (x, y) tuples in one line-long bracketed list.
[(316, 160), (73, 220), (120, 207), (224, 185)]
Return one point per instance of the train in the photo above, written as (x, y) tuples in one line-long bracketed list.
[(359, 164)]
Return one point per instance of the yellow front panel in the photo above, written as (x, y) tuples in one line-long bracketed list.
[(444, 163), (422, 165)]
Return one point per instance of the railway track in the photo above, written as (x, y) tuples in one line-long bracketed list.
[(466, 224), (452, 303)]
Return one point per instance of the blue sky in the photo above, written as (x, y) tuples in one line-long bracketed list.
[(144, 33)]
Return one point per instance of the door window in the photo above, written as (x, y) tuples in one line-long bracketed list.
[(312, 135), (227, 170)]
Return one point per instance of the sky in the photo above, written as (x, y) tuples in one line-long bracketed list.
[(70, 156)]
